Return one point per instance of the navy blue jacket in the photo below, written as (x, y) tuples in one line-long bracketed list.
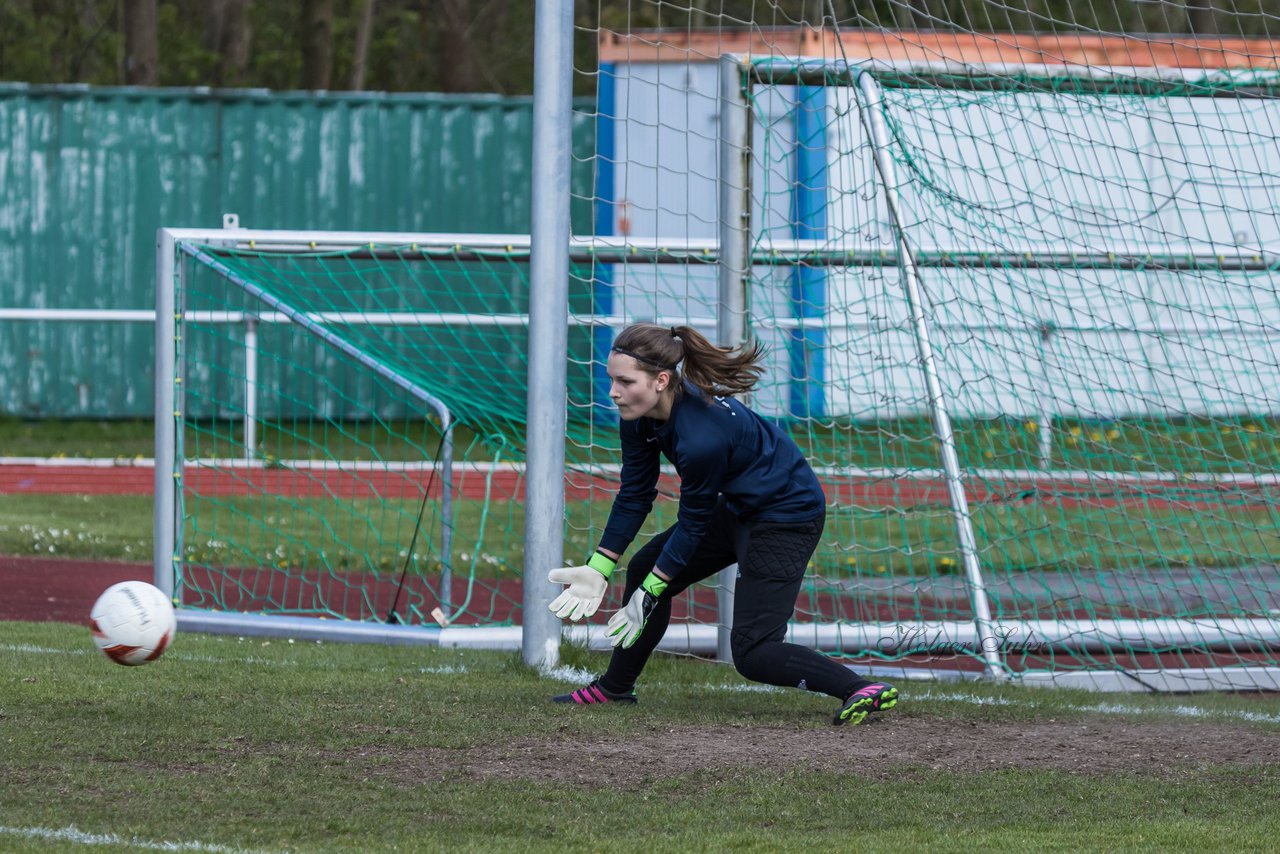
[(718, 447)]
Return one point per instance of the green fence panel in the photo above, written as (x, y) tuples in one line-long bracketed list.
[(87, 175)]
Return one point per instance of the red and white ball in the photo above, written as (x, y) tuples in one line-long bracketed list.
[(132, 622)]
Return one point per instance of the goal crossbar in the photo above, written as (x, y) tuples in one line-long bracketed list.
[(677, 250)]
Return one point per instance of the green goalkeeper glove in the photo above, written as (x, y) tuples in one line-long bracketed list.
[(627, 624), (587, 586)]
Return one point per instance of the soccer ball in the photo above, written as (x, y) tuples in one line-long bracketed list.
[(132, 622)]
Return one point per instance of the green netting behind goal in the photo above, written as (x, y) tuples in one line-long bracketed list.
[(319, 388)]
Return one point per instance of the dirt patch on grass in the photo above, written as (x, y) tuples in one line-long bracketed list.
[(879, 750)]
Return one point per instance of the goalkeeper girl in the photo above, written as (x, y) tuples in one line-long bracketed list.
[(747, 496)]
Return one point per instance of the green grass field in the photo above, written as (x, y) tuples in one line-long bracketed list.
[(230, 744)]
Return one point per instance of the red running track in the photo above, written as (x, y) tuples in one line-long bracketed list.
[(43, 589), (509, 485)]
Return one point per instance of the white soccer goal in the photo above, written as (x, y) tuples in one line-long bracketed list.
[(260, 540), (342, 429)]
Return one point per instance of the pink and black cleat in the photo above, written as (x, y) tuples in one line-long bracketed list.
[(593, 695), (876, 697)]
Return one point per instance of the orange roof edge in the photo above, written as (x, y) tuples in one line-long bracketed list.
[(930, 46)]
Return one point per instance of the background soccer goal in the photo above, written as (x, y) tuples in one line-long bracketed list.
[(1018, 298)]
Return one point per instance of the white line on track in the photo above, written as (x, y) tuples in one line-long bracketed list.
[(604, 469)]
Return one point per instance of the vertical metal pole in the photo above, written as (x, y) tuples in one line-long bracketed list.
[(163, 557), (871, 95), (735, 267), (548, 326), (446, 513), (250, 387), (1045, 397)]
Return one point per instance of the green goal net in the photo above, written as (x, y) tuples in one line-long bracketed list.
[(351, 439)]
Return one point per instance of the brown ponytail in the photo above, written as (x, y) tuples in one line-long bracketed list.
[(713, 370)]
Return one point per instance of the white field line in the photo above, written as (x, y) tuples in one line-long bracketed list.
[(75, 836), (39, 650), (1097, 708), (173, 655), (573, 675), (1028, 701), (1069, 476), (576, 675), (580, 676)]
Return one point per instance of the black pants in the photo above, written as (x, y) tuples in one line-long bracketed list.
[(771, 562)]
